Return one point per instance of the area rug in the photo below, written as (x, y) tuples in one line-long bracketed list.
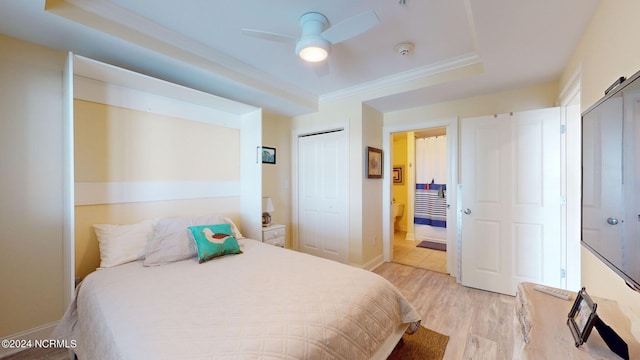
[(424, 344), (432, 245)]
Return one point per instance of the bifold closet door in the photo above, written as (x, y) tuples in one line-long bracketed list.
[(323, 177)]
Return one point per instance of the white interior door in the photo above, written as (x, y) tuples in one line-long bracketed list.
[(323, 225), (511, 200)]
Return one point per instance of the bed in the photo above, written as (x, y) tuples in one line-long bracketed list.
[(265, 302)]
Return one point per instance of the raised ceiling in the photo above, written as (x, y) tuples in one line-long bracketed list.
[(462, 47)]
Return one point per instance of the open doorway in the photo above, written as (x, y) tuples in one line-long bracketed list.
[(400, 240), (419, 193)]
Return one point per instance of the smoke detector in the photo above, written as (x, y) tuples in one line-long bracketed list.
[(404, 48)]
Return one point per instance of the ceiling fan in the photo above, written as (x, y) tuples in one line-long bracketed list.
[(314, 45)]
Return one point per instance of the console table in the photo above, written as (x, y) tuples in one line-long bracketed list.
[(541, 332)]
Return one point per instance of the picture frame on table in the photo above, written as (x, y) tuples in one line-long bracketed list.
[(582, 317)]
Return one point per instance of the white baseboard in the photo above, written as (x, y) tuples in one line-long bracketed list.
[(373, 263), (42, 332)]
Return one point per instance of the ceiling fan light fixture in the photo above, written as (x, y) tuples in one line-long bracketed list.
[(314, 49), (313, 54)]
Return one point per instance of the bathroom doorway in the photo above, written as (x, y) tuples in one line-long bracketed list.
[(419, 197)]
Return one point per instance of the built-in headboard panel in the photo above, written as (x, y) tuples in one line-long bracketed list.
[(139, 155), (87, 253)]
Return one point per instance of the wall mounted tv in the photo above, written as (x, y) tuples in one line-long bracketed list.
[(611, 179)]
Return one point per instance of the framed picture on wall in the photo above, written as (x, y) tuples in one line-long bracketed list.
[(374, 163), (268, 155), (398, 174)]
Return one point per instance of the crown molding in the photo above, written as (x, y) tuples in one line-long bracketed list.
[(570, 92), (406, 77)]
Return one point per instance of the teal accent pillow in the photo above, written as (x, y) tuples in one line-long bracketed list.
[(213, 241)]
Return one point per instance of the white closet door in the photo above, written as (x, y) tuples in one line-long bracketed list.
[(323, 228), (511, 225)]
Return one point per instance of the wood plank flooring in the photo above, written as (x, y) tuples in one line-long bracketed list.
[(405, 252), (479, 323)]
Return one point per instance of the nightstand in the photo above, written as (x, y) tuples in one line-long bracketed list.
[(274, 234)]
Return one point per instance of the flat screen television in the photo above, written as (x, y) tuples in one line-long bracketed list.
[(611, 179)]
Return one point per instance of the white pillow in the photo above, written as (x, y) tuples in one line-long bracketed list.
[(236, 233), (121, 244), (172, 241)]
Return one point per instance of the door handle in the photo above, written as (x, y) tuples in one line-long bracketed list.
[(612, 221), (467, 211)]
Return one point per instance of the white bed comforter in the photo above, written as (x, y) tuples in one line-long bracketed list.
[(265, 303)]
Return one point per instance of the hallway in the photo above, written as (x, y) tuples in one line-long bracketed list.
[(405, 252)]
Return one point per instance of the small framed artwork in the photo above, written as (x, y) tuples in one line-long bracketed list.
[(398, 174), (374, 163), (268, 155), (582, 317)]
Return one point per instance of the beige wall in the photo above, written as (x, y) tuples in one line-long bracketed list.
[(371, 218), (31, 215), (606, 51), (117, 144), (276, 179)]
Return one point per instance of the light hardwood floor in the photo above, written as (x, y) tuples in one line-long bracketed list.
[(479, 323), (405, 252)]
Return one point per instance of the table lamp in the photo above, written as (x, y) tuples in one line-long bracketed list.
[(267, 207)]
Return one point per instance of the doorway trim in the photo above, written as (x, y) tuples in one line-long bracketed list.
[(451, 124)]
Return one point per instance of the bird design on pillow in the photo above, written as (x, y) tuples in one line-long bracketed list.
[(215, 238)]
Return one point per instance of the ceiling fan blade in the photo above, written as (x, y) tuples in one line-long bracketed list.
[(265, 35), (350, 27)]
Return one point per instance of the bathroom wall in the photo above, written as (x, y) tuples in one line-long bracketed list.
[(399, 191)]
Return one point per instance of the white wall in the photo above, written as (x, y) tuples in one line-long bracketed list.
[(31, 268)]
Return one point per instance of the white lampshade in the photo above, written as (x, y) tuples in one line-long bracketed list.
[(267, 204)]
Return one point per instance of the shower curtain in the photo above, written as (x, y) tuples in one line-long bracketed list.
[(430, 213)]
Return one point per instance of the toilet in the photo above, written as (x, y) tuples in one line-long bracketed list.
[(398, 210)]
